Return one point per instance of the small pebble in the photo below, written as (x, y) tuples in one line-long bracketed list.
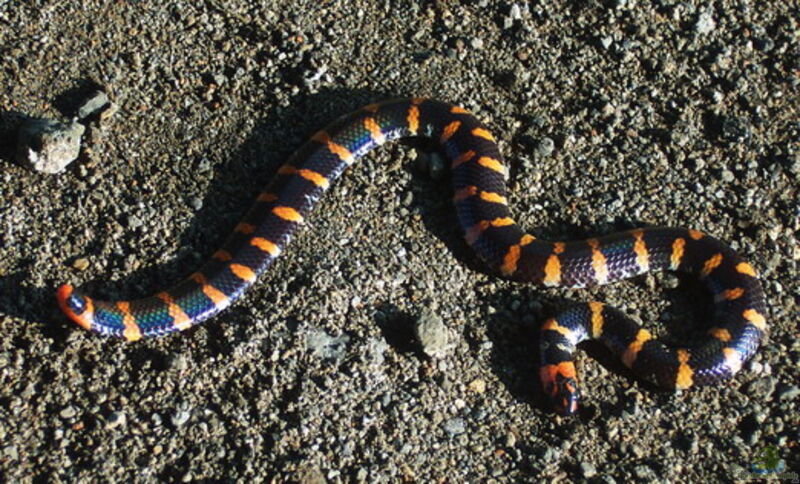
[(48, 146), (545, 147), (93, 104), (454, 426), (588, 470), (68, 412), (178, 363), (763, 388), (116, 419), (180, 417), (727, 176), (327, 347), (432, 335), (705, 23), (477, 385), (81, 264), (789, 392), (10, 452)]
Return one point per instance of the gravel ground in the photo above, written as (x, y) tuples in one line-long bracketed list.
[(612, 114)]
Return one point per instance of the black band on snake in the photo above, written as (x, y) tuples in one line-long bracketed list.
[(478, 178)]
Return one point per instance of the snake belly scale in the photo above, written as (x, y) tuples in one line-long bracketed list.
[(478, 181)]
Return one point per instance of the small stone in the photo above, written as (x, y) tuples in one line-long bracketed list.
[(763, 388), (477, 385), (606, 41), (93, 104), (727, 176), (48, 146), (432, 335), (454, 426), (81, 264), (545, 147), (644, 473), (180, 417), (734, 129), (789, 392), (68, 412), (196, 203), (134, 222), (699, 164), (705, 23), (511, 439), (588, 470), (116, 419), (476, 43), (219, 78), (10, 452), (310, 474), (178, 363), (327, 347)]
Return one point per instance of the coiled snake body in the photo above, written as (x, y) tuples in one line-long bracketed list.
[(480, 200)]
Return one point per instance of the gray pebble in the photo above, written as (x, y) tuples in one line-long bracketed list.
[(178, 363), (789, 392), (68, 412), (511, 439), (705, 23), (432, 334), (180, 417), (327, 347), (48, 146), (10, 452), (763, 388), (545, 147), (454, 426), (727, 176), (116, 419), (588, 470), (95, 103), (134, 222)]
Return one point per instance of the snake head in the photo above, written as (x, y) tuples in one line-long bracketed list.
[(561, 385), (78, 307)]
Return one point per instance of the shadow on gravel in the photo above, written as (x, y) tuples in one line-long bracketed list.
[(9, 124)]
